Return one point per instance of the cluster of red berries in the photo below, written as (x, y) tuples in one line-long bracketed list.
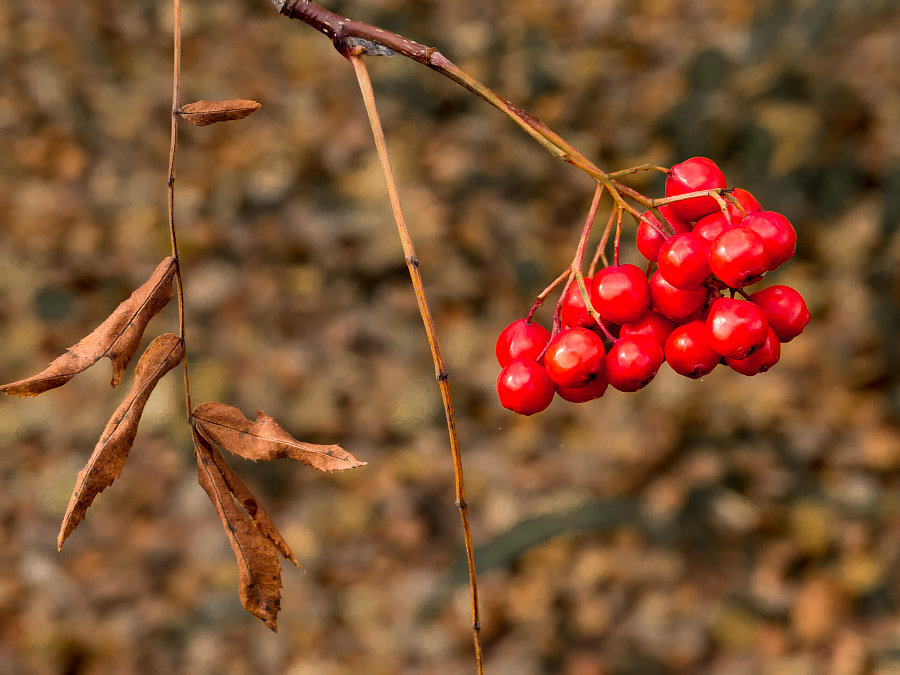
[(684, 312)]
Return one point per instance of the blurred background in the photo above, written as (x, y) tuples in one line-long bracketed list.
[(731, 525)]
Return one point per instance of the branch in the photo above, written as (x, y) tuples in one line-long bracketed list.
[(412, 263), (349, 35)]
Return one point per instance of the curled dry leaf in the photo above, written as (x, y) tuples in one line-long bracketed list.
[(265, 439), (118, 337), (108, 458), (253, 537), (202, 112)]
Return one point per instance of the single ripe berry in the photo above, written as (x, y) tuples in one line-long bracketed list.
[(736, 328), (693, 175), (620, 293), (739, 257), (675, 303), (711, 226), (524, 387), (573, 311), (746, 200), (632, 362), (688, 351), (650, 324), (574, 357), (684, 260), (521, 340), (761, 360), (648, 237), (593, 389), (785, 310), (777, 233)]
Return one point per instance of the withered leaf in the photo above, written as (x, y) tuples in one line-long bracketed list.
[(117, 337), (265, 439), (253, 508), (250, 535), (108, 458), (203, 112)]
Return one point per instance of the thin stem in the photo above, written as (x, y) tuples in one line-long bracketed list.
[(643, 167), (734, 200), (618, 237), (176, 92), (600, 253), (573, 270), (412, 263), (586, 230), (547, 291)]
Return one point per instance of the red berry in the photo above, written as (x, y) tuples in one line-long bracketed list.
[(573, 311), (632, 362), (650, 324), (736, 328), (746, 200), (761, 360), (684, 260), (688, 351), (693, 175), (521, 340), (777, 233), (593, 389), (524, 387), (620, 293), (675, 303), (574, 357), (711, 226), (785, 310), (648, 237), (739, 257)]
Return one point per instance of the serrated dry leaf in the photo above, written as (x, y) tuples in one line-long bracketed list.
[(111, 451), (265, 439), (117, 337), (259, 571), (202, 112)]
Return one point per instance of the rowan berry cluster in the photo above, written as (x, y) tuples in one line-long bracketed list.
[(681, 310)]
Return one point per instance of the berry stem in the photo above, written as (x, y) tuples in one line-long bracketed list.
[(635, 169), (579, 279), (733, 200), (173, 143), (600, 253), (618, 237), (574, 271), (353, 53), (547, 291), (578, 260)]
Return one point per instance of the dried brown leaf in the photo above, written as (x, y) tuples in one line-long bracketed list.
[(117, 337), (253, 508), (202, 112), (265, 439), (108, 458), (259, 571)]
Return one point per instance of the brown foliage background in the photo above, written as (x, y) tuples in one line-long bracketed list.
[(752, 525)]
